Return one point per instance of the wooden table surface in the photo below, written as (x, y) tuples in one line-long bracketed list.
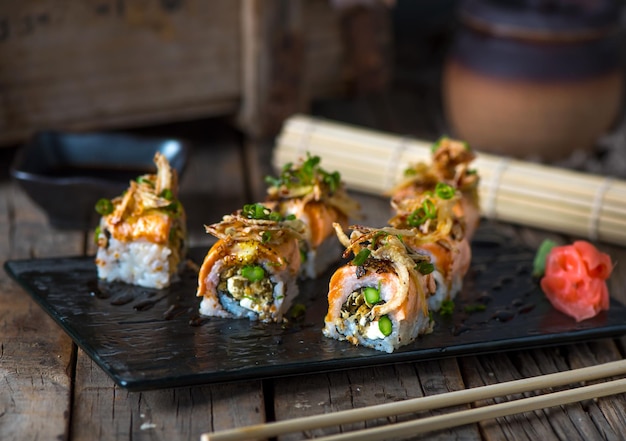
[(51, 390)]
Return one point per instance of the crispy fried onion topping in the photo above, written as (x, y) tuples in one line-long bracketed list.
[(433, 218), (238, 227), (264, 234), (450, 164), (388, 244), (147, 192)]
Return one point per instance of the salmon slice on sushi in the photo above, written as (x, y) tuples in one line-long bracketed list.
[(439, 233), (251, 271), (141, 236), (379, 299), (318, 198), (450, 163)]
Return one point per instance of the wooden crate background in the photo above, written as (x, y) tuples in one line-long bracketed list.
[(100, 64)]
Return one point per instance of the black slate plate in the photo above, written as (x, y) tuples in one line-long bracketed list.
[(147, 339)]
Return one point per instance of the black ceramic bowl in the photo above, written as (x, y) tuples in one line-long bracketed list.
[(66, 173)]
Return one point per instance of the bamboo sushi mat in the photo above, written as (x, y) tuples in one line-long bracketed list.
[(511, 190)]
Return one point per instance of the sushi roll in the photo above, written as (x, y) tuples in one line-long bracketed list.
[(450, 164), (319, 199), (379, 299), (440, 235), (251, 271), (141, 236)]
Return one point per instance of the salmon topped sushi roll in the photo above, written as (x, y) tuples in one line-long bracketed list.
[(450, 164), (319, 199), (251, 271), (141, 236), (440, 235), (379, 299)]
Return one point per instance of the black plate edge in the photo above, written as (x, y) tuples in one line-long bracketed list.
[(258, 373), (267, 372)]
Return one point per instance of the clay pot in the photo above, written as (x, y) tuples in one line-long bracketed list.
[(533, 78)]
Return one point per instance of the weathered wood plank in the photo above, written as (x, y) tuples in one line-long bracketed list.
[(582, 421), (105, 411), (479, 371), (440, 377), (94, 64), (352, 389), (607, 413), (36, 357)]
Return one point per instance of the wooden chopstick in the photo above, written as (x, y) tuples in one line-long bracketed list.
[(455, 419), (605, 370)]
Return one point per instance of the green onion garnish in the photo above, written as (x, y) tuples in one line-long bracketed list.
[(437, 144), (174, 208), (144, 180), (253, 273), (167, 194), (415, 219), (255, 211), (361, 257), (275, 216), (428, 210), (104, 207), (266, 236), (425, 267), (261, 212), (444, 191), (385, 325)]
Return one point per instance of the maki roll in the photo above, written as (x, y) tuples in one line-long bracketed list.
[(379, 298), (440, 235), (450, 164), (319, 199), (251, 271), (141, 236)]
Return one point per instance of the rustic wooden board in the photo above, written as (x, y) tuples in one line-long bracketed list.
[(104, 63), (104, 411), (325, 393), (36, 356), (122, 63)]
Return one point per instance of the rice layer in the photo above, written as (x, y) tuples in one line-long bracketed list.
[(138, 262)]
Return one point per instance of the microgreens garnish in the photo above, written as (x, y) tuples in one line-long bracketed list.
[(104, 206), (304, 175)]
